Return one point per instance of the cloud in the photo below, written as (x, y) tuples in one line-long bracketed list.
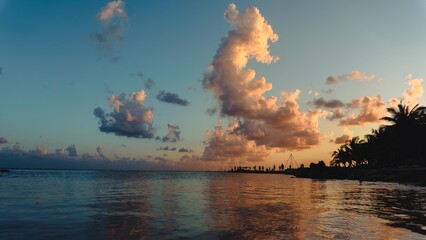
[(347, 135), (342, 139), (60, 151), (112, 18), (3, 140), (337, 114), (99, 150), (39, 150), (167, 148), (111, 10), (258, 123), (108, 37), (17, 147), (148, 83), (173, 98), (370, 110), (187, 150), (230, 145), (72, 150), (413, 95), (160, 159), (354, 75), (140, 75), (211, 111), (173, 134), (313, 93), (328, 91), (322, 103), (21, 159), (130, 117)]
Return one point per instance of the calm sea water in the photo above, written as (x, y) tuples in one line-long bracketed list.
[(37, 204)]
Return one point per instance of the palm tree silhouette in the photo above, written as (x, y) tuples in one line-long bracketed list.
[(355, 148), (340, 157), (407, 133), (400, 143)]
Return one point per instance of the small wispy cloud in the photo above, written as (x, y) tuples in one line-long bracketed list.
[(185, 150), (148, 83), (328, 91), (167, 148), (336, 114), (112, 17), (111, 10), (72, 150), (3, 140), (39, 150), (354, 75), (140, 75), (99, 150), (322, 103), (347, 135), (313, 93), (172, 98), (211, 111), (173, 134)]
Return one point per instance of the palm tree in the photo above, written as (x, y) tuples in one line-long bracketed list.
[(407, 133), (356, 150), (402, 116), (340, 157), (378, 147)]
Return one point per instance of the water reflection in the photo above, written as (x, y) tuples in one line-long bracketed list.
[(167, 205)]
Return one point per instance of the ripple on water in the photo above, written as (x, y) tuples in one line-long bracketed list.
[(169, 205)]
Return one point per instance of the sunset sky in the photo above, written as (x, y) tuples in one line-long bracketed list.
[(202, 85)]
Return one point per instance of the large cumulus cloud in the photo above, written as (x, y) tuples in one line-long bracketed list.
[(259, 123)]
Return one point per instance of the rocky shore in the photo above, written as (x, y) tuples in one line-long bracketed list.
[(413, 176)]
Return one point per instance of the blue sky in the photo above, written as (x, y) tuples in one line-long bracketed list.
[(55, 73)]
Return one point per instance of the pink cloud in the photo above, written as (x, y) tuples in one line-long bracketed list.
[(370, 110), (354, 75), (258, 123)]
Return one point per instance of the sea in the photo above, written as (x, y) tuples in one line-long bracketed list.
[(59, 204)]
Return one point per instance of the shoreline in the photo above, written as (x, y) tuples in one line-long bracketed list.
[(411, 176)]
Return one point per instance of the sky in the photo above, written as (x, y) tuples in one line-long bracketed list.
[(195, 85)]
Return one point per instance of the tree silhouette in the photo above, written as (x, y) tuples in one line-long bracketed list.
[(403, 142), (407, 133)]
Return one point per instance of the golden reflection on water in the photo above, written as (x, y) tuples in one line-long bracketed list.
[(162, 205)]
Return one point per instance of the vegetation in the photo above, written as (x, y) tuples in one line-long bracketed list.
[(402, 143)]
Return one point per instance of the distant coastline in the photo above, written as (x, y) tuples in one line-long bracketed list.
[(409, 175)]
